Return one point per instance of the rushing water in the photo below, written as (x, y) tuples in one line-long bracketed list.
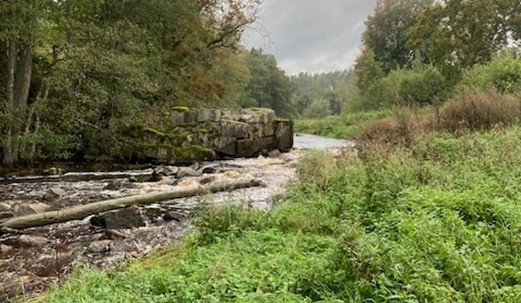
[(67, 243), (306, 141)]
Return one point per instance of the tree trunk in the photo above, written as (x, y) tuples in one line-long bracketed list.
[(11, 66), (18, 84), (23, 77), (9, 156), (82, 211)]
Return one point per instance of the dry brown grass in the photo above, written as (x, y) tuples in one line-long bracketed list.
[(400, 130), (479, 110), (470, 110)]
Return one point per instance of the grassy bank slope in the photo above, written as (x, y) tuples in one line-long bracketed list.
[(341, 127), (436, 222)]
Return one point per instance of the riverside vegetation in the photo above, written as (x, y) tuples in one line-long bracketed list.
[(428, 212), (433, 219)]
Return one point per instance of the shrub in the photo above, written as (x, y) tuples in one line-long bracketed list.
[(502, 73), (401, 129), (319, 108), (416, 86), (475, 110), (421, 84)]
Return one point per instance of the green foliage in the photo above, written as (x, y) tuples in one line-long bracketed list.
[(455, 34), (502, 73), (319, 108), (418, 85), (421, 84), (345, 126), (334, 87), (269, 85), (386, 32), (368, 70), (437, 222), (94, 70)]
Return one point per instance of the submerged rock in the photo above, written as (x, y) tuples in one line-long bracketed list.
[(54, 194), (31, 208), (98, 247), (32, 241), (274, 153), (184, 172)]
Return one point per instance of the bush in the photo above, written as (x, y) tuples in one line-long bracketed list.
[(475, 110), (416, 86), (420, 85), (319, 108), (502, 73), (401, 129)]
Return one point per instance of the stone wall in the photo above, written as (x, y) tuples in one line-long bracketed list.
[(208, 134)]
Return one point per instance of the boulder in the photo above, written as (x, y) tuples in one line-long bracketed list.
[(274, 153), (208, 115), (210, 168), (199, 134), (30, 208), (184, 172), (124, 218), (226, 146), (115, 185), (253, 147), (32, 241), (5, 249), (5, 211), (98, 247), (283, 135), (54, 194), (257, 115)]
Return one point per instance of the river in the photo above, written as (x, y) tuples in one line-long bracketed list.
[(46, 255)]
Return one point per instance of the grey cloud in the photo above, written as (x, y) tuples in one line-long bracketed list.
[(311, 35)]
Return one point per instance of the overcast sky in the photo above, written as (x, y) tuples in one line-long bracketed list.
[(310, 35)]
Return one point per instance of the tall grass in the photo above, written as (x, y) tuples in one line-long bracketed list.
[(435, 222), (345, 126), (469, 110)]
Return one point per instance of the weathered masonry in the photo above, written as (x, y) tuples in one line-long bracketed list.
[(207, 134)]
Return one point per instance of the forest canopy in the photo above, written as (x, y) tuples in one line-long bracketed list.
[(78, 75)]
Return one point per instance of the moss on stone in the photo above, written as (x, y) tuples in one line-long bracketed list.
[(181, 109), (154, 132), (260, 109), (178, 138), (201, 152), (183, 153)]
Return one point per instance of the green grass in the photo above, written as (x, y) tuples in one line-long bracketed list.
[(439, 221), (341, 127)]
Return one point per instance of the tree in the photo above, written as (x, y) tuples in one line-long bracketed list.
[(19, 30), (386, 32), (332, 86), (368, 70), (269, 86), (77, 75), (457, 34)]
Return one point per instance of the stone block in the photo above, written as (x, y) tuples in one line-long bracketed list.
[(208, 115), (253, 147), (235, 129), (257, 115), (283, 135), (226, 146)]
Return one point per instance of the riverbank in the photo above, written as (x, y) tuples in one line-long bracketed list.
[(434, 222)]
